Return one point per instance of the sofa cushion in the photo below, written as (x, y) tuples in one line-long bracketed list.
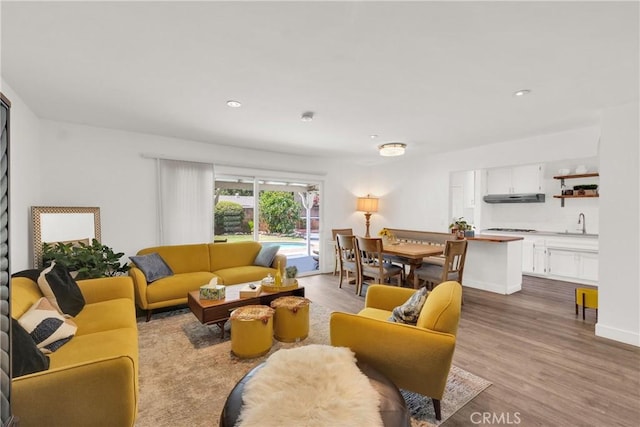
[(374, 313), (234, 254), (26, 357), (93, 347), (248, 273), (410, 310), (266, 255), (152, 266), (183, 258), (61, 290), (177, 287), (105, 316), (47, 327)]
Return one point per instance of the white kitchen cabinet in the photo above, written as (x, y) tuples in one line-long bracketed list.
[(469, 189), (515, 180), (533, 256), (578, 265)]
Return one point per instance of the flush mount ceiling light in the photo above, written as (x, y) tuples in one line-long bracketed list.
[(307, 117), (234, 104), (522, 92), (392, 149)]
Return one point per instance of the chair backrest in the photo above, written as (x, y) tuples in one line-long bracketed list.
[(347, 249), (455, 252), (370, 252), (336, 231), (441, 311)]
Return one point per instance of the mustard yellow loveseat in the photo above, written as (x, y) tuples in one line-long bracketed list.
[(416, 358), (195, 265), (92, 380)]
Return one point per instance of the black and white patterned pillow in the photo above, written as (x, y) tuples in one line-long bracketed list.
[(49, 329), (26, 357), (62, 291), (410, 310)]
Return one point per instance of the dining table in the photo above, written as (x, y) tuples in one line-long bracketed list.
[(413, 253)]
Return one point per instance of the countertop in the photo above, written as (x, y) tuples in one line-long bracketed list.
[(542, 233), (495, 239)]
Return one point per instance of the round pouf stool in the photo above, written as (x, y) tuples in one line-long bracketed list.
[(251, 330), (291, 321)]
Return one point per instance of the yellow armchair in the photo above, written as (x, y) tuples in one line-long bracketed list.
[(416, 358)]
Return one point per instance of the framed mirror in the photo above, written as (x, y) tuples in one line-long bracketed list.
[(62, 224)]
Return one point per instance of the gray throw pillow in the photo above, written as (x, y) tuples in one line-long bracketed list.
[(266, 256), (153, 266), (410, 310)]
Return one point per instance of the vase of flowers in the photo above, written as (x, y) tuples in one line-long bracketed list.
[(290, 275), (387, 235)]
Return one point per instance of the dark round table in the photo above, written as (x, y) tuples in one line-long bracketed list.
[(393, 409)]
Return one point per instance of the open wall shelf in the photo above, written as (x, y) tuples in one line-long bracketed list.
[(574, 196)]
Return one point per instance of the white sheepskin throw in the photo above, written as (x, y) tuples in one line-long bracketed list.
[(311, 386)]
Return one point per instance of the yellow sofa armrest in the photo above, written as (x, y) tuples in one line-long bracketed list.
[(106, 288), (413, 358), (139, 286), (387, 297), (103, 392)]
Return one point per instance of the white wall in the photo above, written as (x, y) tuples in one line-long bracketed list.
[(24, 183), (619, 295)]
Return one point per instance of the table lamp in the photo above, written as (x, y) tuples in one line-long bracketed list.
[(367, 205)]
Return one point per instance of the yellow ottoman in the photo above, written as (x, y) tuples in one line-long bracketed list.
[(291, 319), (251, 330), (587, 298)]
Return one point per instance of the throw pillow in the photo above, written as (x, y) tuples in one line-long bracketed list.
[(26, 358), (153, 266), (410, 310), (48, 328), (32, 274), (62, 291), (266, 256)]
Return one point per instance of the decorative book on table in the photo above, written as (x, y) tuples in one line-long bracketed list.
[(248, 292)]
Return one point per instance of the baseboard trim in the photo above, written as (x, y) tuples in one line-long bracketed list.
[(627, 337)]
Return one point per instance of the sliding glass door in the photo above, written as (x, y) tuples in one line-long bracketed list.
[(285, 213)]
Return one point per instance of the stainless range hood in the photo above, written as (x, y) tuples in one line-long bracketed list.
[(514, 198)]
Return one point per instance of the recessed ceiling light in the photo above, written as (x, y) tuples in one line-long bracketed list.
[(307, 117), (373, 136), (234, 104), (522, 92)]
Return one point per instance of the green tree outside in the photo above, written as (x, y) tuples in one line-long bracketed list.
[(228, 218), (279, 210)]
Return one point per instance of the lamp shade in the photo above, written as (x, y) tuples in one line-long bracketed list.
[(367, 204)]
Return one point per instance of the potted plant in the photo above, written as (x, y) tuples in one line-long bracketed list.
[(290, 275), (85, 261), (386, 234), (461, 228)]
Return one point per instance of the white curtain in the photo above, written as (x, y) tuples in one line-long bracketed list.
[(185, 202)]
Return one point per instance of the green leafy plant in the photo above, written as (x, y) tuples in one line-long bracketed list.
[(291, 272), (460, 224), (89, 261), (228, 217)]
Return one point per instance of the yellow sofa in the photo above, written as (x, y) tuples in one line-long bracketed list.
[(92, 380), (195, 265), (416, 358)]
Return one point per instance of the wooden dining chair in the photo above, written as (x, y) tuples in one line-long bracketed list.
[(452, 268), (372, 262), (348, 258), (334, 233)]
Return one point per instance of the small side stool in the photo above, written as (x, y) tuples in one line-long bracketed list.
[(251, 330), (291, 322), (587, 298)]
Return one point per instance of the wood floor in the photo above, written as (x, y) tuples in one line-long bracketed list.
[(546, 365)]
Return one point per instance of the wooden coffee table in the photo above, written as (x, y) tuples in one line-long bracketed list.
[(218, 311)]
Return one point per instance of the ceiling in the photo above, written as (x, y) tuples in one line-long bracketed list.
[(439, 76)]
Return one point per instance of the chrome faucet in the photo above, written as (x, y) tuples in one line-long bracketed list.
[(582, 221)]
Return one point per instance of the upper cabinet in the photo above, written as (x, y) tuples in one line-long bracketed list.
[(515, 180)]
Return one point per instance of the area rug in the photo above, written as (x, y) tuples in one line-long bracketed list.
[(187, 370)]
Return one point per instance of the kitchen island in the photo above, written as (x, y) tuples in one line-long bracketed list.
[(494, 263)]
